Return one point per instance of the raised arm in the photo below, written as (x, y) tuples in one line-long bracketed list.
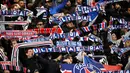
[(60, 6)]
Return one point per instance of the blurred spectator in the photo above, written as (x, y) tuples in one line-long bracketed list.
[(36, 71), (68, 27), (6, 71), (69, 8), (55, 9), (127, 67), (127, 14), (112, 57), (32, 62), (68, 59), (21, 4), (112, 37), (40, 24), (127, 43)]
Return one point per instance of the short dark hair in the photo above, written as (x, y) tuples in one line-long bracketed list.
[(26, 51), (67, 56)]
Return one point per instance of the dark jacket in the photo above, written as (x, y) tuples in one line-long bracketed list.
[(53, 67), (34, 63), (43, 65)]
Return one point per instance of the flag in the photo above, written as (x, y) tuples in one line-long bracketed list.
[(93, 15), (66, 71), (88, 60), (100, 66)]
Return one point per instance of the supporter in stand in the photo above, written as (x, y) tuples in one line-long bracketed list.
[(112, 57), (68, 59), (127, 67), (55, 9), (40, 24), (79, 2), (125, 32), (21, 4), (7, 47), (69, 7), (6, 71), (127, 14), (36, 62), (112, 37), (33, 62), (36, 71), (68, 27)]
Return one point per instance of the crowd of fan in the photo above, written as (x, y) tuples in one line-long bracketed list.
[(49, 62)]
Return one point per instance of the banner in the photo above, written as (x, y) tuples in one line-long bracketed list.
[(15, 12), (3, 56), (78, 15), (20, 38), (70, 17), (64, 35), (14, 22), (14, 68), (67, 49), (121, 51), (121, 21), (5, 62), (89, 68), (17, 33), (47, 30), (68, 43), (30, 32)]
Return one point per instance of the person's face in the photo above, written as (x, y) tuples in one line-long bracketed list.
[(30, 53), (48, 3), (114, 36), (6, 71), (68, 4), (128, 10), (111, 46), (124, 30), (56, 26), (70, 25), (16, 1), (15, 7), (21, 3), (127, 43), (79, 2), (117, 6), (14, 43), (36, 72), (84, 23), (71, 59), (40, 25), (112, 6)]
